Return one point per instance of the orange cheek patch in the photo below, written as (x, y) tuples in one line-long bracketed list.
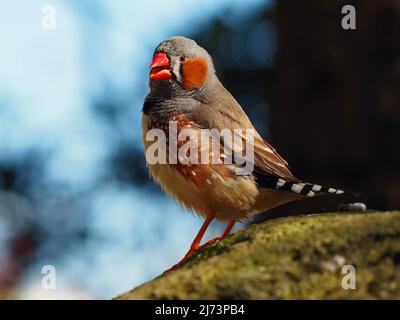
[(194, 73)]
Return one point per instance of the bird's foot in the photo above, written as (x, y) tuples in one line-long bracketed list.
[(211, 242), (192, 251)]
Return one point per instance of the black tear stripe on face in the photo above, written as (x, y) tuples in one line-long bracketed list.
[(181, 73)]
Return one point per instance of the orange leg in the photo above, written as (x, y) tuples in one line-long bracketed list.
[(223, 236), (196, 242)]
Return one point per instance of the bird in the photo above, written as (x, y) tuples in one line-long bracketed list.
[(185, 91)]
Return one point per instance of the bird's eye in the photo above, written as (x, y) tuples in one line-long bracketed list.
[(182, 58)]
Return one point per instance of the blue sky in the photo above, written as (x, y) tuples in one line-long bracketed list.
[(48, 81)]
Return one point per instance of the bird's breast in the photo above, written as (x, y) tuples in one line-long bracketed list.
[(203, 188)]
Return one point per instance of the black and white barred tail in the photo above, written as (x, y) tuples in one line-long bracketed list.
[(307, 189)]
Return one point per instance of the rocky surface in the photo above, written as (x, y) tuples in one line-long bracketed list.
[(292, 258)]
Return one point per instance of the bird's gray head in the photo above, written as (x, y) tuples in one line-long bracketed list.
[(180, 66)]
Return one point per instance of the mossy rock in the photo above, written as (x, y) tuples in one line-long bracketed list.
[(292, 258)]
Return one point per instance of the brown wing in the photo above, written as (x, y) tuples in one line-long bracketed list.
[(222, 111), (268, 160)]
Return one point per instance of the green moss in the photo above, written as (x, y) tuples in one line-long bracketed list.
[(291, 258)]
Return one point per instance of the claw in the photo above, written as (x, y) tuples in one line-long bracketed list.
[(196, 243), (185, 258)]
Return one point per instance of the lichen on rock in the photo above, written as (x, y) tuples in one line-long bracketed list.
[(292, 258)]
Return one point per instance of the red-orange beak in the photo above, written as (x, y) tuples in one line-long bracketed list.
[(160, 67)]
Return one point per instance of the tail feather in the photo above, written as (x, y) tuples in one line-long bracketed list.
[(307, 189)]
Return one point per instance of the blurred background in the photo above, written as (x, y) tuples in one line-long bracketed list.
[(74, 190)]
